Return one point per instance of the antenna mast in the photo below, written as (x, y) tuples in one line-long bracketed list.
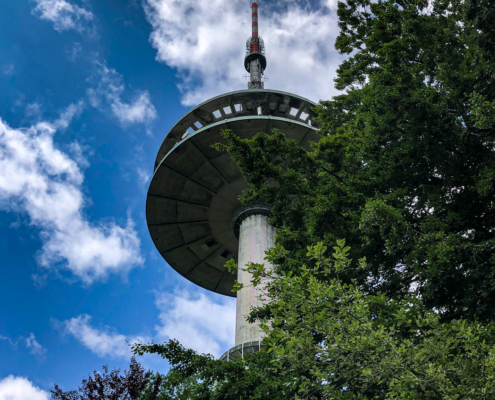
[(255, 61)]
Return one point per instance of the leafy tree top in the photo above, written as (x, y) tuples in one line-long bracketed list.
[(405, 168)]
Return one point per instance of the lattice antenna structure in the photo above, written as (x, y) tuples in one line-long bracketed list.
[(255, 60)]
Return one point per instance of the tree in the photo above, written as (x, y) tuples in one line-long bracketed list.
[(112, 386), (405, 168), (196, 376), (332, 341), (326, 339)]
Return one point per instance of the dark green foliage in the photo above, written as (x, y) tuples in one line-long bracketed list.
[(201, 377), (331, 341), (405, 169), (112, 385), (326, 339)]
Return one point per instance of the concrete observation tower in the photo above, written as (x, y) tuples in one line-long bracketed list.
[(192, 209)]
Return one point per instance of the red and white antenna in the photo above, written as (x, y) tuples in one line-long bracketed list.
[(254, 7), (255, 61)]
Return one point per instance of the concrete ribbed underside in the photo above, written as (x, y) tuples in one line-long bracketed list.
[(194, 195)]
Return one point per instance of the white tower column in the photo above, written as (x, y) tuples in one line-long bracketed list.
[(256, 236)]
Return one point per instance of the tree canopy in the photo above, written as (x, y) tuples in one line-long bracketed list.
[(326, 339), (114, 386), (405, 167)]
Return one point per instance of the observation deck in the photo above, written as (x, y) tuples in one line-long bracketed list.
[(193, 195)]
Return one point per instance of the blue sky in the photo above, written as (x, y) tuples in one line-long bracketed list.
[(89, 90)]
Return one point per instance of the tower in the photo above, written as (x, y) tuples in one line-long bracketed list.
[(192, 208)]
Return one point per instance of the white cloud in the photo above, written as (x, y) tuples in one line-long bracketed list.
[(64, 15), (31, 344), (34, 347), (143, 175), (197, 321), (110, 90), (138, 111), (74, 53), (18, 388), (205, 41), (103, 342), (79, 153), (66, 116), (38, 179)]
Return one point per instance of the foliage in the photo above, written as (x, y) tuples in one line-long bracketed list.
[(201, 377), (331, 341), (112, 386), (405, 168), (169, 387), (326, 339)]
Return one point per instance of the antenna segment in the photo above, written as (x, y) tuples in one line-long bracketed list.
[(255, 61)]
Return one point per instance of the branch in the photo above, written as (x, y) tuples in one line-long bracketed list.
[(335, 176)]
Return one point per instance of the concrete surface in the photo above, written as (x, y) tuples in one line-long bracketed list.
[(255, 238), (194, 192)]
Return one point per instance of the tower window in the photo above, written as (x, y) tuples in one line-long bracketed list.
[(211, 243), (225, 254)]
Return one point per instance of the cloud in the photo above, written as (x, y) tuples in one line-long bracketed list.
[(110, 90), (143, 175), (66, 117), (8, 69), (64, 15), (34, 111), (38, 179), (74, 53), (205, 41), (79, 153), (105, 342), (34, 347), (18, 388), (197, 321), (8, 340), (31, 344)]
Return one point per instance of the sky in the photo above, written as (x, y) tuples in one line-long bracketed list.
[(89, 89)]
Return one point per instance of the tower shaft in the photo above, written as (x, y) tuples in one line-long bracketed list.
[(256, 75), (256, 236)]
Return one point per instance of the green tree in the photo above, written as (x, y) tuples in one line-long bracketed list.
[(326, 339), (201, 377), (332, 341), (405, 168)]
